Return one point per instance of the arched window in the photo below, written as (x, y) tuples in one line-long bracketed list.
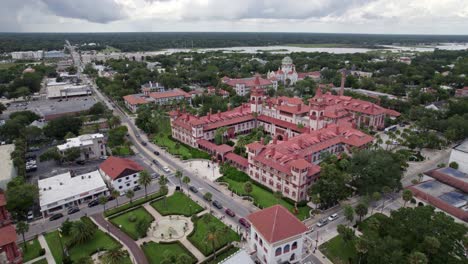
[(256, 236), (294, 245), (278, 251), (286, 249)]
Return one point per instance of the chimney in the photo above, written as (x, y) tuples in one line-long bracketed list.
[(299, 107), (261, 140), (337, 130), (187, 117), (343, 79), (229, 107), (319, 136), (242, 109), (299, 142), (209, 116), (354, 125)]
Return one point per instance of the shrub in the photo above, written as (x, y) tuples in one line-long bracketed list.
[(42, 252), (132, 218), (453, 165)]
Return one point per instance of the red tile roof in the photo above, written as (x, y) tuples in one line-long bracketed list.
[(237, 159), (117, 167), (276, 223), (281, 123), (134, 100), (2, 199), (248, 82), (169, 94), (7, 235)]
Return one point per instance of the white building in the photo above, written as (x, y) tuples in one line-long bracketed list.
[(276, 235), (8, 170), (120, 174), (459, 155), (287, 72), (92, 146), (65, 190), (27, 55), (64, 90)]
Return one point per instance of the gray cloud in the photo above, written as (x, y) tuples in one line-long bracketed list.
[(98, 11)]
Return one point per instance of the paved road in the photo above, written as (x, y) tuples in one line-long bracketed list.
[(136, 251)]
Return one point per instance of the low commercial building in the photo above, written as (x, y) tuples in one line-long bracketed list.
[(276, 235), (8, 170), (459, 155), (67, 90), (92, 146), (65, 190), (27, 55), (9, 250), (120, 174)]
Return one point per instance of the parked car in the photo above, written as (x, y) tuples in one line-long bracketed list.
[(217, 204), (154, 175), (155, 162), (322, 222), (333, 217), (80, 162), (193, 189), (30, 215), (156, 153), (244, 223), (311, 229), (103, 157), (73, 210), (93, 203), (166, 169), (178, 189), (56, 216), (136, 188), (230, 212), (110, 198), (144, 143)]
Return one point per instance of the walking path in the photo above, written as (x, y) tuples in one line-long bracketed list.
[(48, 253), (134, 250)]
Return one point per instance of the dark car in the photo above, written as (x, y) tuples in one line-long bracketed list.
[(80, 162), (230, 212), (110, 198), (136, 188), (144, 143), (156, 153), (93, 203), (193, 189), (56, 216), (73, 210), (244, 223), (217, 204)]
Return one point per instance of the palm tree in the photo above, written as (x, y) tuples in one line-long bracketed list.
[(115, 194), (23, 227), (348, 212), (376, 196), (361, 210), (385, 190), (82, 231), (145, 180), (163, 187), (130, 194), (103, 200), (178, 175), (407, 195), (114, 256), (361, 247), (186, 181), (212, 236)]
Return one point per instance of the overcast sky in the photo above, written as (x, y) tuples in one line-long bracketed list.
[(334, 16)]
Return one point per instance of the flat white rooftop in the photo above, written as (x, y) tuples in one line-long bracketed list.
[(67, 90), (83, 140), (64, 188), (462, 146)]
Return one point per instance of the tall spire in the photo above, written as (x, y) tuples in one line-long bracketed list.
[(343, 79)]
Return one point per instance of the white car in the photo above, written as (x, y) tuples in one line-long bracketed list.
[(166, 169), (30, 215), (332, 217)]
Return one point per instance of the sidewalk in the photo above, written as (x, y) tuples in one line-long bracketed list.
[(133, 249), (44, 245)]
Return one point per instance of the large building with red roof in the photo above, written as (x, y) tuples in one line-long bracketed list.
[(9, 251), (300, 131), (120, 174), (243, 86), (276, 235), (133, 101)]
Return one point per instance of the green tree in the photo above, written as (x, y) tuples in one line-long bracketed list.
[(97, 109), (103, 200), (183, 259), (362, 247), (163, 187), (346, 233), (145, 180), (115, 194), (20, 197), (22, 227), (179, 175), (348, 212), (376, 196), (59, 127), (213, 236), (130, 194), (186, 181), (248, 188), (453, 165), (278, 195), (208, 196), (331, 186), (116, 136), (2, 108), (81, 232), (386, 191), (114, 256), (417, 258), (361, 210), (407, 195), (50, 154), (431, 245), (72, 154), (69, 135), (142, 226)]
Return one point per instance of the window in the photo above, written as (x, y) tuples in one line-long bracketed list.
[(278, 251), (286, 249), (120, 187), (134, 175), (256, 236), (120, 180), (128, 184), (294, 245), (126, 178), (135, 182), (261, 242)]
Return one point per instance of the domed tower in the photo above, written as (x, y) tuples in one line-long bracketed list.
[(287, 64)]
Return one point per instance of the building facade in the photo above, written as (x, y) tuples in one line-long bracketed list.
[(286, 73), (10, 253), (120, 174), (276, 236), (174, 96), (92, 146), (244, 85), (459, 154)]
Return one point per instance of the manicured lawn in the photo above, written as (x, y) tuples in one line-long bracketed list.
[(130, 227), (124, 150), (338, 251), (177, 204), (100, 241), (155, 252), (41, 261), (135, 203), (33, 250), (200, 234), (265, 198)]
